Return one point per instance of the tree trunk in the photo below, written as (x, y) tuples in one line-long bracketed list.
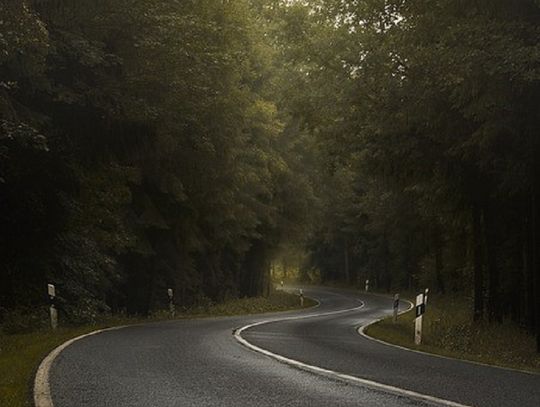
[(528, 269), (494, 298), (535, 263), (255, 268), (346, 270), (439, 263), (477, 263)]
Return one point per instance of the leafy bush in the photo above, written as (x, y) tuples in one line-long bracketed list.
[(23, 320)]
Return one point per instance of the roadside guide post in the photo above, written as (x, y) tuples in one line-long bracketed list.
[(396, 307), (420, 309), (51, 290), (170, 294), (426, 292), (301, 298), (367, 285)]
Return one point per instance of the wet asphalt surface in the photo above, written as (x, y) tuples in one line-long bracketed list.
[(200, 363)]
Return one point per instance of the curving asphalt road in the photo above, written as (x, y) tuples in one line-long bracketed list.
[(200, 363)]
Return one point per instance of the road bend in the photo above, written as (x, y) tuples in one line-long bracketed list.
[(200, 362)]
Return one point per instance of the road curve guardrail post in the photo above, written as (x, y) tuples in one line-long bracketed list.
[(420, 309), (53, 312), (170, 294), (396, 307)]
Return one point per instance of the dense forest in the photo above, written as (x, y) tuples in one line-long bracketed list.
[(194, 143), (140, 151)]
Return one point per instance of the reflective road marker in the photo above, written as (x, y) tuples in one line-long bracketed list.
[(51, 290), (420, 309)]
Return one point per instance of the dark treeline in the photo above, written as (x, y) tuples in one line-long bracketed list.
[(429, 114), (139, 150), (188, 144)]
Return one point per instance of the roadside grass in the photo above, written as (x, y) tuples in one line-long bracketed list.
[(448, 330), (21, 354), (276, 302)]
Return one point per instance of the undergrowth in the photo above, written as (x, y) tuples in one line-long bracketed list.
[(448, 330)]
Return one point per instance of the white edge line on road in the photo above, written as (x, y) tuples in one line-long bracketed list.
[(332, 373), (42, 388), (362, 328)]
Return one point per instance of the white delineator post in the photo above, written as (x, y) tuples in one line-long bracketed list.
[(420, 309), (170, 294), (367, 285), (426, 292), (396, 307), (301, 298), (51, 290)]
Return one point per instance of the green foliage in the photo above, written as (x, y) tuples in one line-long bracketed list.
[(426, 123), (164, 150), (23, 43)]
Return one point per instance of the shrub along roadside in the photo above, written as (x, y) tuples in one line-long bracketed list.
[(21, 354), (448, 330)]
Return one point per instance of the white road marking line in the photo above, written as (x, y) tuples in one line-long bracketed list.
[(42, 388), (332, 373)]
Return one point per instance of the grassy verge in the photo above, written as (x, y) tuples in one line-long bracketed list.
[(448, 330), (21, 354)]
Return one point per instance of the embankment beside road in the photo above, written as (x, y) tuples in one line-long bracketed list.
[(448, 330)]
